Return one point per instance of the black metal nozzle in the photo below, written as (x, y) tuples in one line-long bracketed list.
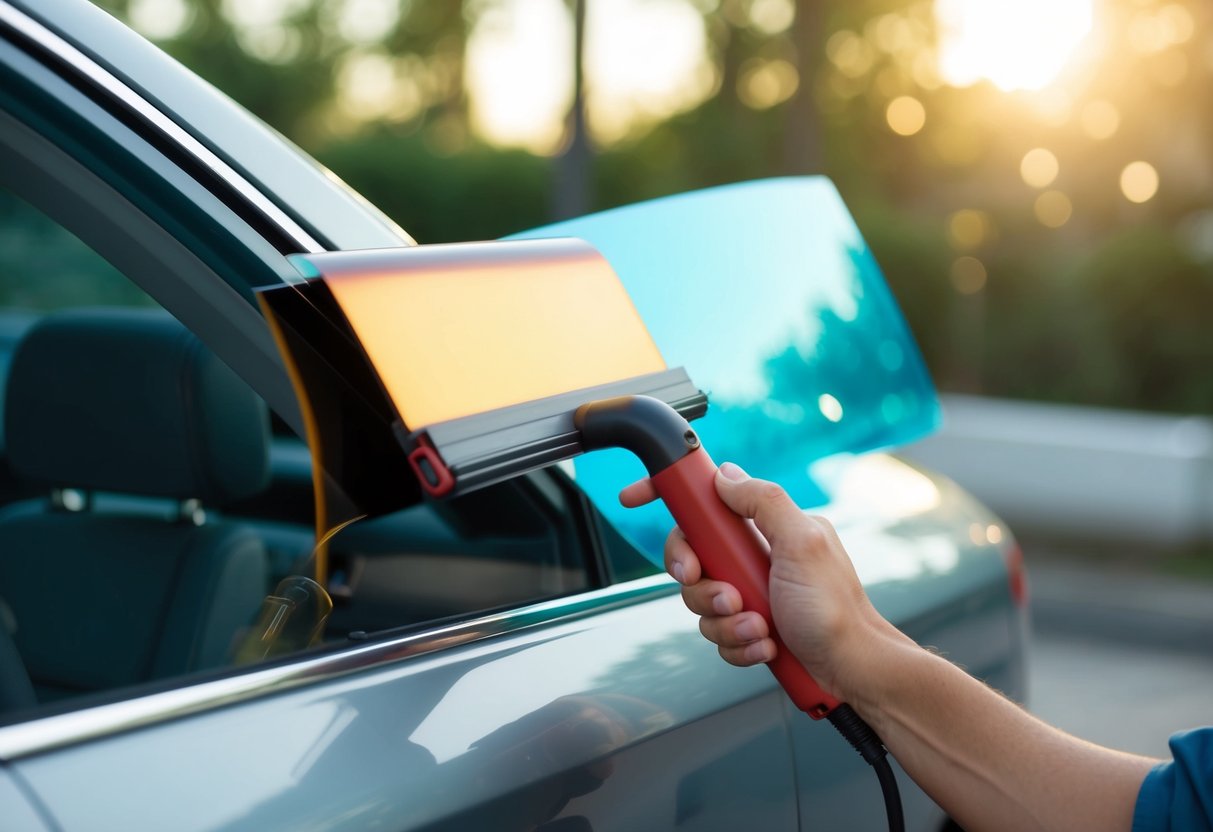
[(646, 426)]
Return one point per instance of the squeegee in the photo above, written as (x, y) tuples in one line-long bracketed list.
[(482, 361)]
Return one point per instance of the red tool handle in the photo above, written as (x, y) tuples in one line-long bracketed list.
[(731, 549)]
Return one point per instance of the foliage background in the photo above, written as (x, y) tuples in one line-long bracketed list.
[(1061, 291)]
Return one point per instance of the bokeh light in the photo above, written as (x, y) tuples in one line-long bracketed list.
[(1053, 209), (830, 407), (850, 53), (763, 84), (1139, 181), (160, 19), (1153, 30), (968, 228), (968, 275), (770, 17), (1039, 167), (906, 115)]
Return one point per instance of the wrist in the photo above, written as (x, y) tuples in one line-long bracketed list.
[(865, 654)]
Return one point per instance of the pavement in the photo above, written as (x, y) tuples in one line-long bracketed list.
[(1124, 603), (1121, 655)]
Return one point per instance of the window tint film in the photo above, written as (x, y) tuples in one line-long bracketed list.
[(768, 295)]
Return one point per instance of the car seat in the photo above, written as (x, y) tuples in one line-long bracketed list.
[(120, 576)]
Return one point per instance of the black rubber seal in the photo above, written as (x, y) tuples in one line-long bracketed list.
[(646, 426)]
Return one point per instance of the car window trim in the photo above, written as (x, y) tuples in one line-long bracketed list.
[(59, 186), (291, 237), (43, 734)]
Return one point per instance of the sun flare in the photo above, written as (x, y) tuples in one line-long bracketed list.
[(1014, 44)]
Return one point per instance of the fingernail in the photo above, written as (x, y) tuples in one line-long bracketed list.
[(679, 574), (759, 651), (748, 630), (733, 472), (722, 605)]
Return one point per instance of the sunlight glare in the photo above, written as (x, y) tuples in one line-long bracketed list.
[(1014, 44), (644, 61), (519, 73)]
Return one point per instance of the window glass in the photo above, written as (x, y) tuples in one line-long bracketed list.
[(43, 266), (121, 560)]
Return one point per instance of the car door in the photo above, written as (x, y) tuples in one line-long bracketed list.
[(582, 698)]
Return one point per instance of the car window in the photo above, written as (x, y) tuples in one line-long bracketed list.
[(44, 267), (144, 538)]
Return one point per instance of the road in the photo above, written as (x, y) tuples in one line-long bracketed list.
[(1121, 695), (1123, 660)]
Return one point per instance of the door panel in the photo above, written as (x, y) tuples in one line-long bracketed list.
[(622, 721), (18, 814)]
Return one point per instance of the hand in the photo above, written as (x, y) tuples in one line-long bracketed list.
[(817, 601)]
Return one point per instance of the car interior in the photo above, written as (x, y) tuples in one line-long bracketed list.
[(149, 503)]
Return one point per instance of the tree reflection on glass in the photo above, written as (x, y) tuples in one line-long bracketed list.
[(768, 295)]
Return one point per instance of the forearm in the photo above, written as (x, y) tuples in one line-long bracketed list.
[(986, 761)]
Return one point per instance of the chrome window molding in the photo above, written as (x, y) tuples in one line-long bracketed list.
[(117, 91), (40, 735)]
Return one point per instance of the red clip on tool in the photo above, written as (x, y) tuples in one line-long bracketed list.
[(729, 547)]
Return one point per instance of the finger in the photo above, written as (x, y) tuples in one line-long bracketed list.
[(713, 598), (680, 559), (751, 654), (768, 505), (734, 630), (638, 493)]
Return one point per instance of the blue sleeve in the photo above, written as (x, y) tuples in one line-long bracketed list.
[(1178, 796)]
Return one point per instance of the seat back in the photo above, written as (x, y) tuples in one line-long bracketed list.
[(120, 576)]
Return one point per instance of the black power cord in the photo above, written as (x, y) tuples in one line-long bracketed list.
[(864, 740)]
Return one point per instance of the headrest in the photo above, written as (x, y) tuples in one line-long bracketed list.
[(130, 401)]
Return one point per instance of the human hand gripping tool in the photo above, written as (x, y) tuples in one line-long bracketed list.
[(728, 546)]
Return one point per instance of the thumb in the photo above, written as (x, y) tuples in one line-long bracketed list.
[(768, 505)]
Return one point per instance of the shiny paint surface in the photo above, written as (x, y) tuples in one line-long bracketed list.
[(509, 730), (16, 812), (624, 718), (627, 719)]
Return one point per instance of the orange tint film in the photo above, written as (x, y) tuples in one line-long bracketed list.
[(456, 330)]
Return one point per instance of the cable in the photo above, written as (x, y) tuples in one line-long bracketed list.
[(892, 797), (864, 740)]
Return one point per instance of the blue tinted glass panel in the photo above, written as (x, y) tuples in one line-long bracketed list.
[(767, 294)]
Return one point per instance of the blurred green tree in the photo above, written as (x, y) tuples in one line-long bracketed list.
[(1045, 238)]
